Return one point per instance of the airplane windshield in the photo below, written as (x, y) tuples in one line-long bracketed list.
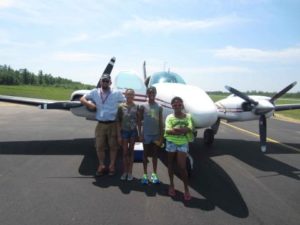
[(130, 80), (165, 77)]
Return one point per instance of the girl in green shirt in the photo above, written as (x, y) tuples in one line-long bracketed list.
[(178, 131)]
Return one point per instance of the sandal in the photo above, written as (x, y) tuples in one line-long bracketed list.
[(111, 172), (100, 172), (187, 197), (171, 192)]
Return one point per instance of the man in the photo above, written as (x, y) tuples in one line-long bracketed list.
[(105, 101), (152, 133)]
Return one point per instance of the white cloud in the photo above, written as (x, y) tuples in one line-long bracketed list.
[(212, 70), (6, 3), (259, 55), (81, 37), (77, 56), (112, 34), (167, 25)]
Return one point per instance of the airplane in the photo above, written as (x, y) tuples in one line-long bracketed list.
[(241, 107), (205, 113)]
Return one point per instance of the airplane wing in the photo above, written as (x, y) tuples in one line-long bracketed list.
[(52, 104), (42, 103)]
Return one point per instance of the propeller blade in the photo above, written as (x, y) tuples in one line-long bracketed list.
[(241, 95), (144, 70), (108, 69), (283, 91), (263, 132)]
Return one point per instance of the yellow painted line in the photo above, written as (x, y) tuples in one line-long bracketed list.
[(285, 118), (257, 135), (11, 104)]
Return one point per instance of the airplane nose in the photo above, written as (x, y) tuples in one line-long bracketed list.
[(205, 117), (195, 100), (201, 107)]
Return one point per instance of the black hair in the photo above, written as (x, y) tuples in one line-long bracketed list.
[(129, 89), (176, 99), (152, 88)]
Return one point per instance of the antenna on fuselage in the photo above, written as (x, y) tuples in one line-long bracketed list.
[(164, 67)]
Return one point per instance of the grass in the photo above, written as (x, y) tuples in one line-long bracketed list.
[(53, 93), (58, 93)]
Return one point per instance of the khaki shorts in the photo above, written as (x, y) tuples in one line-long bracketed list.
[(106, 133)]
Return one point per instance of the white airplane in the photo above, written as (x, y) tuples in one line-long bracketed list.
[(205, 113), (241, 107)]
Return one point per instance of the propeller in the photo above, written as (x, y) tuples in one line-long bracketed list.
[(283, 91), (263, 133), (261, 108), (108, 69), (241, 95)]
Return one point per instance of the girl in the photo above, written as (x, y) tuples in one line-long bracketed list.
[(178, 131), (127, 118)]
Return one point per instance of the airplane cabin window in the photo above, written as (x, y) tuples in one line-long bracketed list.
[(130, 80), (165, 77)]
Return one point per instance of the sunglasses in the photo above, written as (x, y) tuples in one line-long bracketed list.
[(177, 105), (105, 81)]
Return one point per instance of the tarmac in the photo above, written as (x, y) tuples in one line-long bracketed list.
[(48, 162)]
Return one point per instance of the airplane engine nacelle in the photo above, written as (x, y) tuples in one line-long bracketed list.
[(82, 111)]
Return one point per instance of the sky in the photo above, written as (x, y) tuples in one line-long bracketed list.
[(246, 44)]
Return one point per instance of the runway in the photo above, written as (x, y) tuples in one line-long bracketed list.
[(47, 162)]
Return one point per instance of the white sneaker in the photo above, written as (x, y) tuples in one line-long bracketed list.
[(129, 177), (124, 176)]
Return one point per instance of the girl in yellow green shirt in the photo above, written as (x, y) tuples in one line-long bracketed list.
[(178, 134)]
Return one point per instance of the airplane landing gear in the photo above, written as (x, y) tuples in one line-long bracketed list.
[(189, 164), (208, 136)]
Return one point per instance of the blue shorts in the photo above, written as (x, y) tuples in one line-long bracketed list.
[(128, 134), (171, 147), (148, 139)]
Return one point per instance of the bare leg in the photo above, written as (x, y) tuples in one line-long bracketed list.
[(145, 157), (131, 155), (171, 157), (181, 161), (125, 155), (155, 156)]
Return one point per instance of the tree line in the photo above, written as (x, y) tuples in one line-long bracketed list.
[(270, 94), (9, 76)]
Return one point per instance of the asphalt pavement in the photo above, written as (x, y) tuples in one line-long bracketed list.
[(48, 161)]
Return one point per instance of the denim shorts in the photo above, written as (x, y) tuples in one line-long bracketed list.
[(171, 147), (148, 139), (127, 134)]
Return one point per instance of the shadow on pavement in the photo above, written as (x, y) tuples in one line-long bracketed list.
[(208, 179)]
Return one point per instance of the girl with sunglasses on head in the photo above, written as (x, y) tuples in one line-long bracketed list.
[(127, 118), (178, 134)]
